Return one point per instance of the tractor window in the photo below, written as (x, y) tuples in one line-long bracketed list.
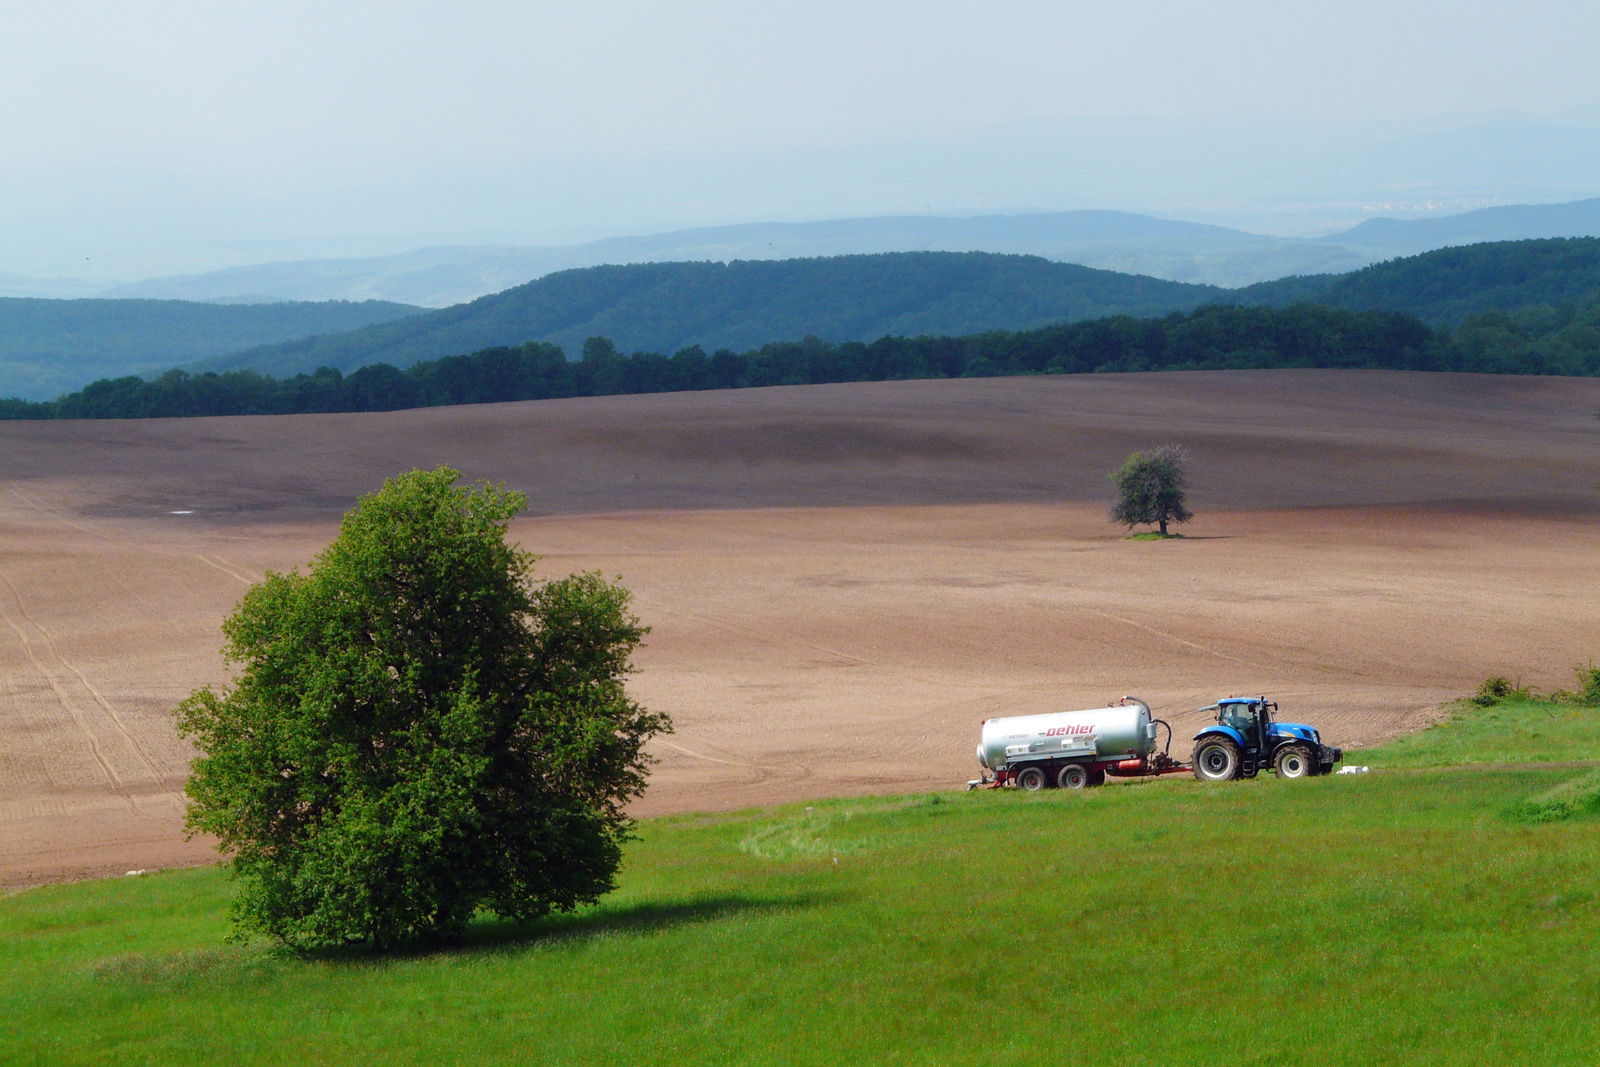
[(1241, 717)]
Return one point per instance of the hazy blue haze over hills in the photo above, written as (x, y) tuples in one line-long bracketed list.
[(51, 346), (1258, 172), (1514, 222), (1110, 240)]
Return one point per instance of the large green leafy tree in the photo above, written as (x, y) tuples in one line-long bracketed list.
[(1150, 488), (419, 732)]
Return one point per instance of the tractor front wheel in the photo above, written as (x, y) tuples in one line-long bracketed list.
[(1216, 759), (1294, 761), (1032, 779)]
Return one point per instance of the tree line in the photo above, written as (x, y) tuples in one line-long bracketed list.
[(1533, 341)]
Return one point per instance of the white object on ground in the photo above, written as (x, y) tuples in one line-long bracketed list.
[(1353, 770)]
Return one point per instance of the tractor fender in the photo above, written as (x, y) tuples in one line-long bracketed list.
[(1222, 731)]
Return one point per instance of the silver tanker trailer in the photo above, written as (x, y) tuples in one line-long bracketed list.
[(1075, 749)]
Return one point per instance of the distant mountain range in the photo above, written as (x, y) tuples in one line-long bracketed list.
[(52, 346), (1386, 238), (662, 307), (665, 307), (1110, 240)]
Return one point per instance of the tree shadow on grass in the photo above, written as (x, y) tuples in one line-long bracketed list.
[(595, 923), (643, 917), (241, 966)]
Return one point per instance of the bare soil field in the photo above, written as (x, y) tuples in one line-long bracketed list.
[(841, 580)]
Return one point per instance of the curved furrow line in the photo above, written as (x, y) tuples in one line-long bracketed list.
[(82, 722), (762, 773), (41, 509), (221, 564), (789, 639), (106, 705), (1162, 633)]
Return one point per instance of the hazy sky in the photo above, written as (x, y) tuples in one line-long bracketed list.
[(300, 121)]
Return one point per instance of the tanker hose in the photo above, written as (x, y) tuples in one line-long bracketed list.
[(1162, 722), (1135, 700)]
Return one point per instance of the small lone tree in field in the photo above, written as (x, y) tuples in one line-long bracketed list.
[(419, 733), (1150, 488)]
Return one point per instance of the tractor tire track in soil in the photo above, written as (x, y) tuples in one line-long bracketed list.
[(90, 735), (107, 708)]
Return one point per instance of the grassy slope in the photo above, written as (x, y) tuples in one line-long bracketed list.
[(1511, 732), (1365, 920)]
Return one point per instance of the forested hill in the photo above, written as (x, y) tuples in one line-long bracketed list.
[(664, 307), (1445, 286), (1213, 337), (50, 346)]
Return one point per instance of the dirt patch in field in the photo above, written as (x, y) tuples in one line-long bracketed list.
[(841, 580)]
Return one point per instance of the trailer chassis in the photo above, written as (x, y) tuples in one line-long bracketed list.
[(1153, 766)]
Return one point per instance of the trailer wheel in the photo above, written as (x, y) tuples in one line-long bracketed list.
[(1032, 779), (1216, 759), (1072, 776), (1097, 778), (1293, 761)]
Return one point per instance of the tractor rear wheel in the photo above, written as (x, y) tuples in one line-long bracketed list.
[(1072, 776), (1294, 761), (1032, 779), (1216, 759)]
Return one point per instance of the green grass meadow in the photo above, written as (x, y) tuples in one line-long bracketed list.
[(1514, 731), (1387, 918)]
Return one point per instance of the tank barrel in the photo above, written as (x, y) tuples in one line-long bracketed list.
[(1073, 748)]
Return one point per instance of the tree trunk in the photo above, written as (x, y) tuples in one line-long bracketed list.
[(1163, 527)]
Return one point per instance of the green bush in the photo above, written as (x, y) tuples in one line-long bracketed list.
[(1497, 688), (1588, 683), (419, 733)]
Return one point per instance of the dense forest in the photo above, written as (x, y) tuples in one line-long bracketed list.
[(1525, 306), (665, 307), (1554, 340), (47, 346), (1445, 286)]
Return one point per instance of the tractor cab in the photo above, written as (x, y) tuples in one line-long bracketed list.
[(1250, 719), (1246, 739)]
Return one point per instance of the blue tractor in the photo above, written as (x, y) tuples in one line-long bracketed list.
[(1246, 740)]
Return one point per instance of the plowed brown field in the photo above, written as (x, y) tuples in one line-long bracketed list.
[(842, 580)]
